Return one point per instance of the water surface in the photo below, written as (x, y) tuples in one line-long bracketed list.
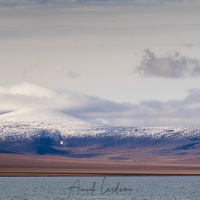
[(108, 188)]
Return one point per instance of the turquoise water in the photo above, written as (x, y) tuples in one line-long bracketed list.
[(108, 188)]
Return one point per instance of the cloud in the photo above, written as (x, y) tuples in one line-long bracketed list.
[(185, 112), (14, 3), (18, 3), (168, 66), (31, 96), (69, 73), (188, 45)]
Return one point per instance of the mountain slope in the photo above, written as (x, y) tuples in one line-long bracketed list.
[(27, 124), (53, 132), (41, 131)]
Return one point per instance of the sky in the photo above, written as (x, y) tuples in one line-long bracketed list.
[(119, 62)]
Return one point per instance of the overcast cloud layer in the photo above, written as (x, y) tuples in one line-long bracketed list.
[(14, 3), (96, 48), (60, 2), (185, 112)]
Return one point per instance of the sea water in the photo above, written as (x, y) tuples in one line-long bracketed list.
[(108, 188)]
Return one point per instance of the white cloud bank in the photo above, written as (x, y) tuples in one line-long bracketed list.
[(185, 112), (168, 66)]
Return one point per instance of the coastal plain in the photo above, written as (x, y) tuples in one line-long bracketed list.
[(14, 164)]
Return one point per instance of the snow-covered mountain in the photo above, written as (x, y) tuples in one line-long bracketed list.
[(28, 124), (47, 131)]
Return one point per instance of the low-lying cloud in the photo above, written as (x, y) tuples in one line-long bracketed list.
[(31, 96), (184, 112), (168, 66)]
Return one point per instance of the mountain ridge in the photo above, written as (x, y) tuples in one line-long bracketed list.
[(54, 132)]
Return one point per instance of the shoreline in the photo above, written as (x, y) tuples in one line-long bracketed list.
[(91, 175)]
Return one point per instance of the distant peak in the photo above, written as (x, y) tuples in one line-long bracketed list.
[(54, 116)]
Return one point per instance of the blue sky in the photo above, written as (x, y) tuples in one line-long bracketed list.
[(121, 62)]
